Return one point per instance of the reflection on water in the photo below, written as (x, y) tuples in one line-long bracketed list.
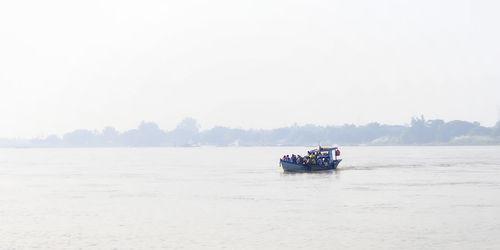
[(157, 198)]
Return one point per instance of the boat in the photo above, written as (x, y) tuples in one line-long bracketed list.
[(329, 157)]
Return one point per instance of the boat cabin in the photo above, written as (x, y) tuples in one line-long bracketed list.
[(330, 153)]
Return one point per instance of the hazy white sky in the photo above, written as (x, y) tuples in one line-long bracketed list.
[(66, 65)]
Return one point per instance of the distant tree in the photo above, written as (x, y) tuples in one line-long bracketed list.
[(496, 130), (221, 136), (52, 141), (420, 132), (456, 128), (147, 135), (481, 131), (185, 134), (109, 136), (80, 138)]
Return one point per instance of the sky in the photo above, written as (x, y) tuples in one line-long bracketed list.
[(67, 65)]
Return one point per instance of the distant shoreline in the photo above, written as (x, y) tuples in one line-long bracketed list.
[(420, 132)]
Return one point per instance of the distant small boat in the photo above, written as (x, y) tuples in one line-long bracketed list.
[(328, 156)]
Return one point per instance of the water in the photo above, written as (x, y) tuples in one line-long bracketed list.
[(236, 198)]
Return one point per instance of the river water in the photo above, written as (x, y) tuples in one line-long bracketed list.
[(237, 198)]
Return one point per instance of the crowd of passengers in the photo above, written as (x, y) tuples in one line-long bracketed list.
[(312, 158)]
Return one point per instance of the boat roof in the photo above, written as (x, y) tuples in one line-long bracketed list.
[(324, 149)]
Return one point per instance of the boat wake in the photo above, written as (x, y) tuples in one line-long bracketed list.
[(375, 167)]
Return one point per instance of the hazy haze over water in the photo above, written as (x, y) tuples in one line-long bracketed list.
[(252, 64), (152, 198)]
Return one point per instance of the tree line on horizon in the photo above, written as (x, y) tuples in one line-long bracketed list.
[(187, 133)]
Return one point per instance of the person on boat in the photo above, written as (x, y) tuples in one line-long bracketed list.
[(320, 162), (294, 158), (284, 158), (313, 161)]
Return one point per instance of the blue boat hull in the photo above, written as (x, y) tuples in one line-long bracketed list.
[(294, 167)]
